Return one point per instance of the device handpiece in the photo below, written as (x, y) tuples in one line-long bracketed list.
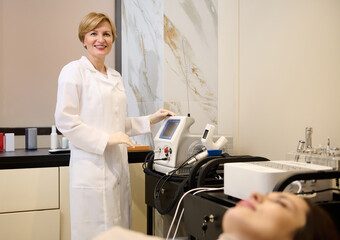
[(198, 157)]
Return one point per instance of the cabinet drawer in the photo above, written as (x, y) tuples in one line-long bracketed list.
[(34, 225), (29, 189)]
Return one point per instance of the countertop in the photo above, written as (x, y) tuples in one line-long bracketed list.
[(21, 158)]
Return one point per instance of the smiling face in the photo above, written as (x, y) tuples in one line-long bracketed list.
[(274, 216), (98, 41)]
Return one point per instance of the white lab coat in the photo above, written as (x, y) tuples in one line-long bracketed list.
[(118, 233), (90, 107)]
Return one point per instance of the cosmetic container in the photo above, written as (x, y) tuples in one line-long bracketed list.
[(31, 142), (54, 138), (9, 142)]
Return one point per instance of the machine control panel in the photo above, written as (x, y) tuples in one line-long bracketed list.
[(172, 142)]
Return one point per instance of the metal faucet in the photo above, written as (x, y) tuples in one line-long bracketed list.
[(308, 136), (299, 149)]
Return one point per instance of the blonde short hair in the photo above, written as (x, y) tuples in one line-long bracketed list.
[(91, 21)]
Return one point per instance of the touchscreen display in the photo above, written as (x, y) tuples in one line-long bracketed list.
[(169, 129), (206, 131)]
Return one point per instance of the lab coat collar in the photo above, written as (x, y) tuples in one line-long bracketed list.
[(89, 66)]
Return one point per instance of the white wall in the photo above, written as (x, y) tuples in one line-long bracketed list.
[(37, 38), (228, 71), (288, 73)]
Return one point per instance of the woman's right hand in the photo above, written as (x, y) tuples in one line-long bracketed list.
[(120, 138)]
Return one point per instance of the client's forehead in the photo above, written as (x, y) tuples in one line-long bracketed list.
[(298, 201)]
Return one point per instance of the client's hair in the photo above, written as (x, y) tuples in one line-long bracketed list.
[(319, 225)]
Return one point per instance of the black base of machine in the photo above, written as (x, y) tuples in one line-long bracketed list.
[(203, 214)]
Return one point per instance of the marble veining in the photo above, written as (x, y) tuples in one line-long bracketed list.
[(169, 58), (142, 57), (190, 59)]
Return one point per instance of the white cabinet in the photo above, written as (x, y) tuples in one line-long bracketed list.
[(31, 225), (29, 204)]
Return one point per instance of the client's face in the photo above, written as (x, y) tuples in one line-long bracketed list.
[(274, 216)]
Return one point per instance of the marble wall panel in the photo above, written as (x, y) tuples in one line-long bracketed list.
[(190, 59), (142, 57), (169, 58)]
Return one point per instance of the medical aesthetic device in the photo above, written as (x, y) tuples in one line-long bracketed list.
[(242, 179), (183, 178), (174, 144), (172, 141), (207, 139)]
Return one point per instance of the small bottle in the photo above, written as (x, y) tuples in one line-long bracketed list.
[(64, 143), (54, 138)]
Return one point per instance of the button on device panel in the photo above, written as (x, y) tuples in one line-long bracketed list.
[(163, 152), (167, 151)]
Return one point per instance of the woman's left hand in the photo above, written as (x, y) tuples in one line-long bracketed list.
[(160, 115)]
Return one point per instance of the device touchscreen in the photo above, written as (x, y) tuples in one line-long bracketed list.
[(170, 129)]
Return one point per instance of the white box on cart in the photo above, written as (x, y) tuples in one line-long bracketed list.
[(242, 179)]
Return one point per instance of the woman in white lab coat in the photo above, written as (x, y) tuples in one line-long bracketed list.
[(91, 113)]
